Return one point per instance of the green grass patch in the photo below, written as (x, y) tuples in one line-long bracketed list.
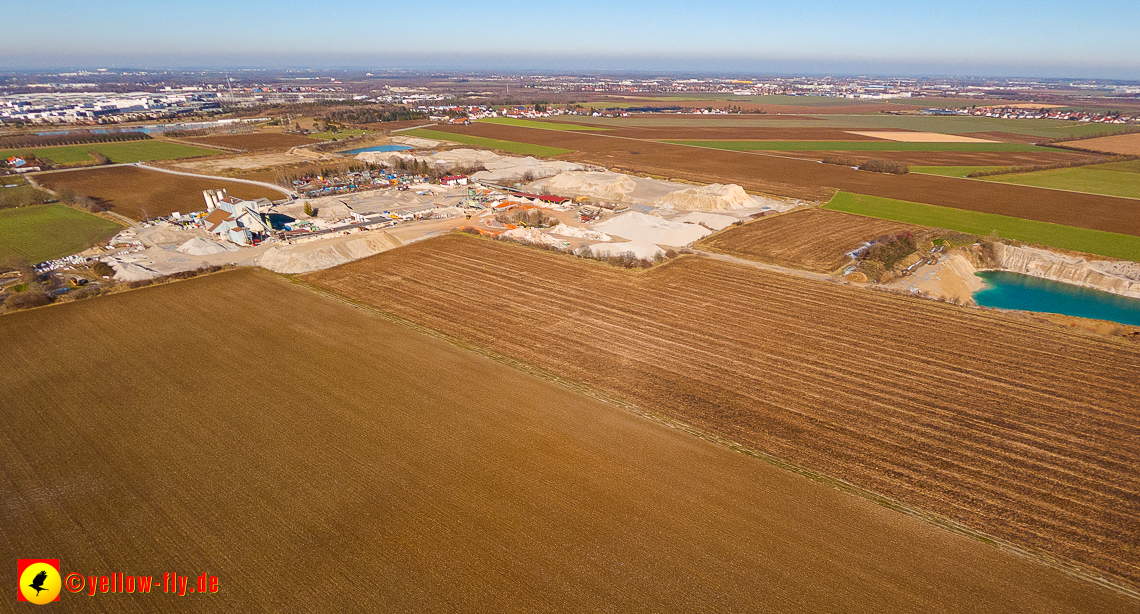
[(131, 151), (1030, 231), (952, 171), (339, 136), (478, 141), (44, 232), (1090, 179), (1131, 166), (530, 123), (857, 146)]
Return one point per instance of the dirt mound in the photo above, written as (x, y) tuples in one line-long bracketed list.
[(201, 247), (643, 228), (321, 255), (712, 197)]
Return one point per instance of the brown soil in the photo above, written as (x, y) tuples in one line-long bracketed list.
[(360, 466), (1125, 144), (785, 176), (812, 239), (256, 141), (1025, 431), (728, 133), (1006, 137), (128, 190)]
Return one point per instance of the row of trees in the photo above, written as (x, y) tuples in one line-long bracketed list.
[(18, 141)]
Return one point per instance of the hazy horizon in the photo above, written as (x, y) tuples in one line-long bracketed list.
[(1045, 39)]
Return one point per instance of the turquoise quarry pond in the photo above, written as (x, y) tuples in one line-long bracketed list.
[(1006, 290)]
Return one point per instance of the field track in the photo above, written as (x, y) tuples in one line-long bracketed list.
[(813, 239), (1025, 432), (361, 466), (783, 175)]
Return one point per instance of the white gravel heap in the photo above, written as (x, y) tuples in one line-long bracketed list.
[(713, 197), (712, 220), (201, 247), (642, 228), (640, 250), (563, 230)]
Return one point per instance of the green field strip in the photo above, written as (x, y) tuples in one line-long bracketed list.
[(130, 151), (1109, 244), (952, 171), (1088, 179), (45, 232), (530, 123), (856, 146), (478, 141)]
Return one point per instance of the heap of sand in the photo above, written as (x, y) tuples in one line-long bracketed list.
[(714, 197), (601, 186), (531, 235), (642, 228), (711, 220), (499, 168), (323, 254), (576, 232), (201, 247)]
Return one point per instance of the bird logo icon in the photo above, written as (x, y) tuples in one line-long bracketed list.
[(39, 580)]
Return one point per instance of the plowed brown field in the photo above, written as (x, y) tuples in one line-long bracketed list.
[(361, 466), (957, 158), (256, 141), (130, 190), (787, 176), (812, 239), (1026, 432), (1125, 144)]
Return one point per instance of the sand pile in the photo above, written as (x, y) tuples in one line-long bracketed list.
[(600, 186), (640, 250), (417, 142), (714, 197), (163, 233), (463, 157), (712, 220), (563, 230), (642, 228), (201, 247), (129, 271), (322, 255), (333, 210), (532, 235)]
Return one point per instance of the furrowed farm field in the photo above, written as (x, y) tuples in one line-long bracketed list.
[(133, 151), (140, 193), (527, 123), (812, 239), (1097, 242), (1126, 144), (1020, 430), (363, 466), (44, 232), (780, 174)]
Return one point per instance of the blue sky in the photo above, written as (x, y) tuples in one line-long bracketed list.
[(966, 37)]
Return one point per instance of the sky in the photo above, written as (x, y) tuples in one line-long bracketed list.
[(1041, 38)]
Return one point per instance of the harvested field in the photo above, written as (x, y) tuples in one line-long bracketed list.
[(256, 140), (1126, 144), (959, 158), (813, 239), (785, 176), (365, 467), (728, 133), (139, 193), (1021, 430)]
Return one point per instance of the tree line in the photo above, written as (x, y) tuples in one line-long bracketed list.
[(72, 138)]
